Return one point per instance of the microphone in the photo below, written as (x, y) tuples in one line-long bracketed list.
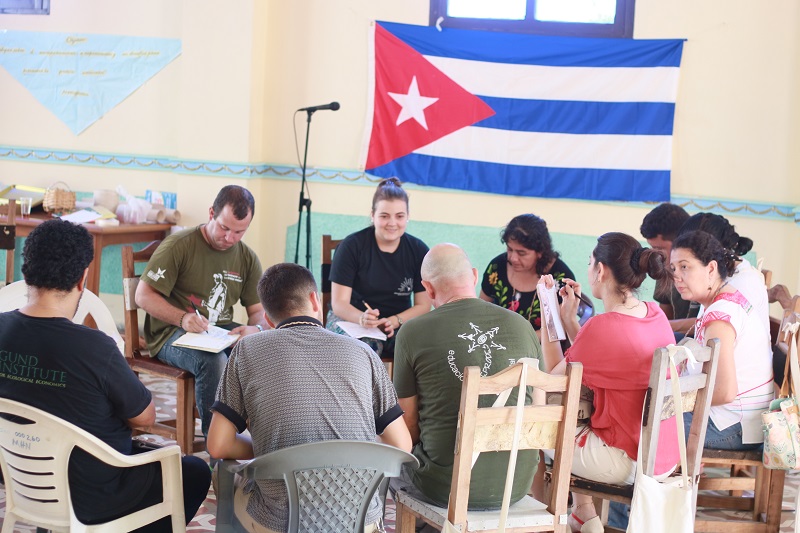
[(333, 106)]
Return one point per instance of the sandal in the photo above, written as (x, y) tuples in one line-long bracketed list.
[(593, 525)]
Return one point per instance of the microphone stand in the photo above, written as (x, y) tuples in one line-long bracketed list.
[(304, 203)]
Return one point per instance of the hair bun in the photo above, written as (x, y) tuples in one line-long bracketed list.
[(385, 182), (743, 245), (635, 258)]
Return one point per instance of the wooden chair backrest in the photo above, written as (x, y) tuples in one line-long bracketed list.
[(8, 214), (130, 280), (492, 428), (767, 277), (790, 316), (696, 387), (329, 244)]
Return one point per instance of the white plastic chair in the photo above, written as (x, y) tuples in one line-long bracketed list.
[(34, 458), (15, 296), (329, 483)]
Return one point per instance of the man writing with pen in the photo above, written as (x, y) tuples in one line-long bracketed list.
[(192, 281)]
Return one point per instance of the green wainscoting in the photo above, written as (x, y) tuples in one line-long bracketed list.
[(481, 243)]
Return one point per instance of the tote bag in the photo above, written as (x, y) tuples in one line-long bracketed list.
[(664, 507), (781, 424)]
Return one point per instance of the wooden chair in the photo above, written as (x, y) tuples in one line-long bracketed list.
[(35, 447), (8, 233), (764, 506), (329, 245), (696, 391), (491, 429), (182, 427)]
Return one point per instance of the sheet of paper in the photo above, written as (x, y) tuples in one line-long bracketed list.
[(357, 331), (83, 216), (216, 340), (104, 212), (549, 303)]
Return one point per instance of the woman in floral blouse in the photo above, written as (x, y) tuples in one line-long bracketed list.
[(510, 279)]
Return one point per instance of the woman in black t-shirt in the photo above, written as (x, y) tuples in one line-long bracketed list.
[(376, 270), (510, 279)]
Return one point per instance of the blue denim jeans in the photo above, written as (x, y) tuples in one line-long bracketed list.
[(726, 439), (206, 367)]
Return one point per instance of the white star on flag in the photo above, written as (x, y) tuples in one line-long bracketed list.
[(413, 104)]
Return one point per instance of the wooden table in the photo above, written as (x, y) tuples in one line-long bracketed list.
[(103, 236)]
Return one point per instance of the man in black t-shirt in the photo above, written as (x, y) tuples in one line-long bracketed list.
[(79, 375)]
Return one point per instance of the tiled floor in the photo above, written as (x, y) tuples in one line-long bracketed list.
[(163, 393)]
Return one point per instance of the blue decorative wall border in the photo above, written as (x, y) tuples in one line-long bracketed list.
[(784, 212)]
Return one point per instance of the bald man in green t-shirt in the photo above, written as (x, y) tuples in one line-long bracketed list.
[(430, 356)]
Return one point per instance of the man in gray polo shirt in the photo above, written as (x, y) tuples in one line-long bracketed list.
[(295, 384)]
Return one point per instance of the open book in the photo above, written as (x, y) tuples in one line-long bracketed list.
[(216, 340)]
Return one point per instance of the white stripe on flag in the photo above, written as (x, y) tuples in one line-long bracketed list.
[(534, 82), (559, 150)]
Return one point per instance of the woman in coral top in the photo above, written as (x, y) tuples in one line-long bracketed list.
[(616, 350)]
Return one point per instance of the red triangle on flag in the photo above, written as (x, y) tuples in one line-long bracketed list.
[(447, 107)]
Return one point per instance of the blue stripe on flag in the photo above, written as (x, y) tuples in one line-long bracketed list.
[(516, 180), (497, 47), (554, 116)]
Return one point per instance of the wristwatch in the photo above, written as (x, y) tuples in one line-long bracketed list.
[(399, 321), (260, 328)]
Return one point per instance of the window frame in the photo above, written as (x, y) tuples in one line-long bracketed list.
[(622, 27), (24, 7)]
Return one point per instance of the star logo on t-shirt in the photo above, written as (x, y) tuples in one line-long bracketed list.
[(479, 339), (155, 276)]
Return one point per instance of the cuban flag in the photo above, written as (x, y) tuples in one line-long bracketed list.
[(525, 115)]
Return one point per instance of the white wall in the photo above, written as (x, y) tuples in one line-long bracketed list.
[(244, 69)]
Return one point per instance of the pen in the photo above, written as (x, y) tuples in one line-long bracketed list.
[(197, 311), (366, 304)]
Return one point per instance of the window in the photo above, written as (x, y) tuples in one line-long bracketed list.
[(577, 18), (24, 7)]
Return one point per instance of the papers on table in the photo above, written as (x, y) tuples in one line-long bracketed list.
[(357, 331), (216, 340), (549, 303), (83, 216), (90, 214)]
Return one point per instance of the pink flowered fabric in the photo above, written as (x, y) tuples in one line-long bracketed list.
[(709, 317), (737, 298)]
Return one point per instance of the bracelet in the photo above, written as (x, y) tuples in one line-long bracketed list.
[(180, 324), (259, 327), (399, 321)]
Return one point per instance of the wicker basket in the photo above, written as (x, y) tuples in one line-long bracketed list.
[(58, 200)]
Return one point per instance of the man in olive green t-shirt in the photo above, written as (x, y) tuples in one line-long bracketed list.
[(431, 353), (193, 280)]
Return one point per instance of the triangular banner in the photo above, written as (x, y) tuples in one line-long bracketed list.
[(80, 77), (415, 102)]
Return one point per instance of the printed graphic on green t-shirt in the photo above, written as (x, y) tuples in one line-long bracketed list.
[(190, 274), (430, 356)]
